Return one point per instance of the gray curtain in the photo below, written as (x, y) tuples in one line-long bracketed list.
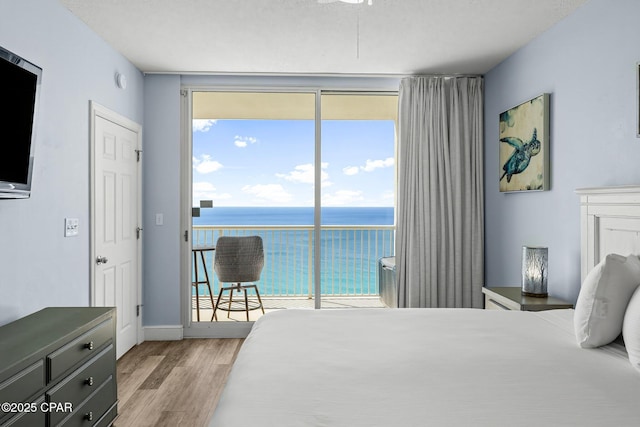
[(440, 225)]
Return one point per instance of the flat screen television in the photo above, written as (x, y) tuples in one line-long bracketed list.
[(18, 106)]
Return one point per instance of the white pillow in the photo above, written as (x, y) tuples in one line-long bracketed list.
[(603, 299), (631, 329)]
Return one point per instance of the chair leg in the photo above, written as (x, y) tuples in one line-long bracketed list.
[(206, 276), (259, 299), (197, 303), (239, 288), (230, 301), (195, 267), (246, 304), (215, 307)]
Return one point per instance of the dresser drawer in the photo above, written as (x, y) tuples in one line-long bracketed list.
[(45, 359), (80, 384), (109, 417), (29, 419), (82, 348), (91, 410), (22, 385)]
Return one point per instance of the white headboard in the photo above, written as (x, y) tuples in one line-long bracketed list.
[(609, 223)]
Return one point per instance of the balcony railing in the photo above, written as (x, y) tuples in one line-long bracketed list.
[(348, 258)]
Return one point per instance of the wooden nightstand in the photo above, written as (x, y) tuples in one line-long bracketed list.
[(511, 298)]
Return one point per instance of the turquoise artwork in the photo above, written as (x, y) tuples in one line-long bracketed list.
[(524, 146)]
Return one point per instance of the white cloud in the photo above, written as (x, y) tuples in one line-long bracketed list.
[(342, 198), (351, 170), (304, 174), (243, 141), (372, 165), (203, 187), (202, 125), (207, 191), (205, 165), (268, 192)]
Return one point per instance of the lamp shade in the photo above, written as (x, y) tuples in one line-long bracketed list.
[(534, 271)]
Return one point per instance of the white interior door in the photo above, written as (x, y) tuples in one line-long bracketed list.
[(115, 225)]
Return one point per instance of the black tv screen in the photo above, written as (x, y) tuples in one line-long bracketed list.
[(18, 103)]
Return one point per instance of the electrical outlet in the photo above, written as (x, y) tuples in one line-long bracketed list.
[(71, 226)]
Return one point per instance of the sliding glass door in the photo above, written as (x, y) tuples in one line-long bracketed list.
[(292, 167), (253, 169), (358, 158)]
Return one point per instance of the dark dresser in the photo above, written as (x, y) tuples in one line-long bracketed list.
[(58, 368)]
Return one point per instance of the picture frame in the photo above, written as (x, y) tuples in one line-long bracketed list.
[(523, 140)]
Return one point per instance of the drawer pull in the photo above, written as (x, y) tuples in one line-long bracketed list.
[(89, 345), (88, 416), (89, 381)]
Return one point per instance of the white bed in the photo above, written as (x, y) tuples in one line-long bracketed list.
[(441, 367)]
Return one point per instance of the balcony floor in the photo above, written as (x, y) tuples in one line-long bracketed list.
[(281, 303)]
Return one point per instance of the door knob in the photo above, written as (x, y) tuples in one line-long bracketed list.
[(101, 260)]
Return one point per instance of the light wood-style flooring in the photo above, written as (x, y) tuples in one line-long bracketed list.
[(173, 383)]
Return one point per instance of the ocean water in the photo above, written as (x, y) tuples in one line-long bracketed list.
[(351, 246), (294, 216)]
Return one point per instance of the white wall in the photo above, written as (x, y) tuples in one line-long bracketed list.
[(588, 64), (38, 266)]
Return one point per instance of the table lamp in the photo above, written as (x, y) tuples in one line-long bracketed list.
[(534, 271)]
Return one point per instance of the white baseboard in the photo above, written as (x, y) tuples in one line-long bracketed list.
[(218, 330), (163, 333), (197, 330)]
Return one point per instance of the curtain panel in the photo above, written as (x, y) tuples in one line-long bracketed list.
[(440, 224)]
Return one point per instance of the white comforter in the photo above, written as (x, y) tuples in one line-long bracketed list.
[(425, 367)]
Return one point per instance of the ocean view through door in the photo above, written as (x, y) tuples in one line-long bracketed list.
[(358, 147), (256, 171)]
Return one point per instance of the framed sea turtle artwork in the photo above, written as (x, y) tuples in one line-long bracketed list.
[(524, 146)]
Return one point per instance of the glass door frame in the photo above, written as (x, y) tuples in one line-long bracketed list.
[(241, 329)]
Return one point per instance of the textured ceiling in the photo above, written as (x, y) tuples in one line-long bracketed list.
[(315, 37)]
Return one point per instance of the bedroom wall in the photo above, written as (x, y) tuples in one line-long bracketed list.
[(587, 63), (161, 180), (38, 266)]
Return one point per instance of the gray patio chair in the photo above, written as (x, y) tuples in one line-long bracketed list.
[(239, 261)]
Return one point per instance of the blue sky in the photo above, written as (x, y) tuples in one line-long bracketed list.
[(270, 162)]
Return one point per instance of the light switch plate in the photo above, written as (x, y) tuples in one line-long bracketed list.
[(71, 226)]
